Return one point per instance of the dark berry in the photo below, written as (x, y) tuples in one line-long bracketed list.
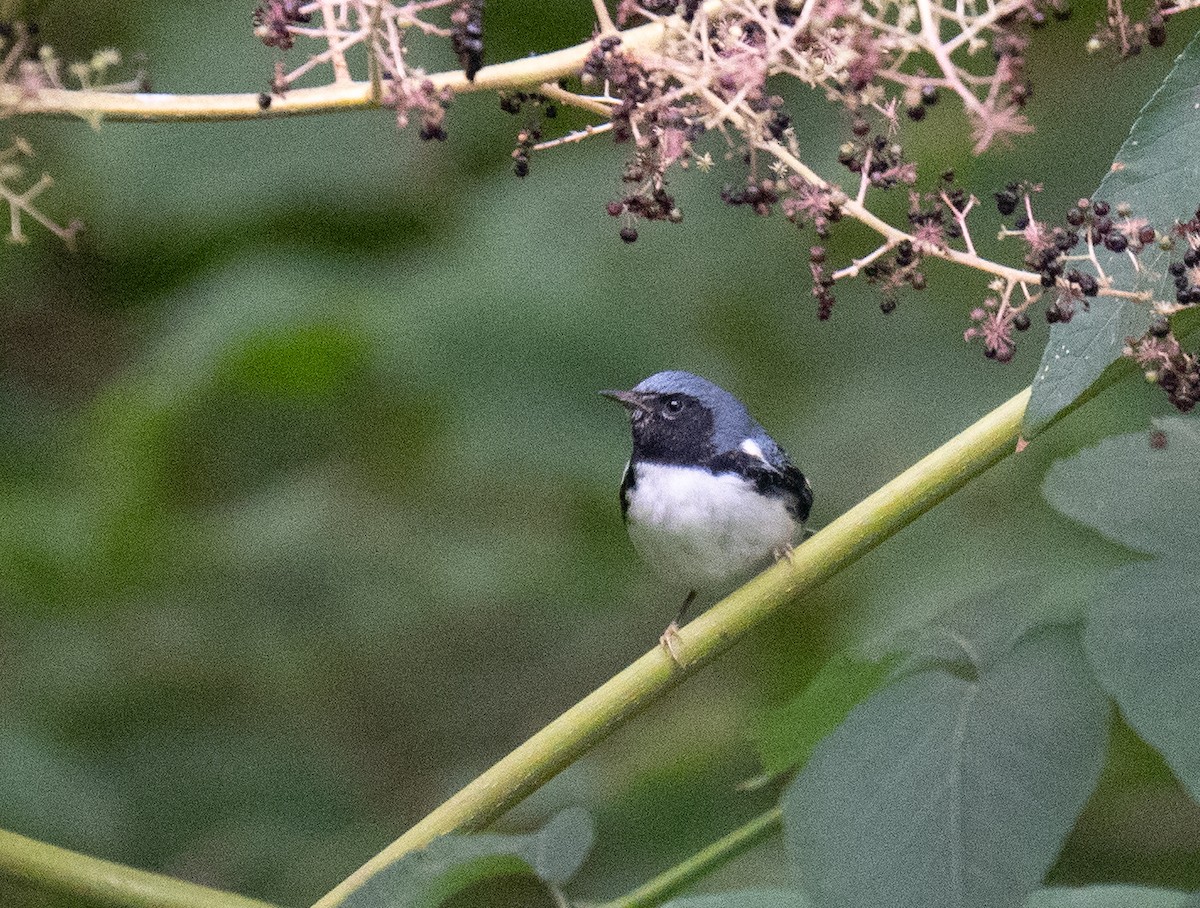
[(615, 208), (1146, 236), (264, 101), (1074, 217), (917, 281), (1156, 35), (1177, 269), (1006, 202), (1116, 242), (916, 113), (887, 305), (1190, 258), (629, 234), (1159, 326), (817, 254), (1021, 321), (929, 95), (1101, 208)]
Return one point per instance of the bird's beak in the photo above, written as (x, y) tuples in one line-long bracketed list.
[(630, 400)]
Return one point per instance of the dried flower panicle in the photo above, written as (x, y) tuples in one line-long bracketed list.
[(333, 28)]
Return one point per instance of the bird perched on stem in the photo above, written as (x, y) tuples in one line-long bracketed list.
[(708, 496)]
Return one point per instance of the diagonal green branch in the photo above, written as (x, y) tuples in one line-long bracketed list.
[(88, 879), (675, 879), (834, 548)]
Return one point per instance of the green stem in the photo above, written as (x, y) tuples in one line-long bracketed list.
[(703, 862), (53, 869), (622, 697)]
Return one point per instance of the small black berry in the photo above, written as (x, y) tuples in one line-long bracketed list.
[(629, 234), (1116, 242), (1021, 321)]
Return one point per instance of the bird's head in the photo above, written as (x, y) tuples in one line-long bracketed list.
[(678, 417)]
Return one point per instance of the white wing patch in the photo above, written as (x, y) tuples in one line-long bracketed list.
[(751, 447)]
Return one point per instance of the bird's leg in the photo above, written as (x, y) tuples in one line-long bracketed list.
[(670, 637), (784, 551)]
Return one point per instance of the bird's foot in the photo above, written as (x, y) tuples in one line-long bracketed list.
[(670, 641), (784, 552)]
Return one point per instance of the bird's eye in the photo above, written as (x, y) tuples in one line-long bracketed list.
[(673, 406)]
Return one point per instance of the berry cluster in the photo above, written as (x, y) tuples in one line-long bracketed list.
[(419, 94), (1168, 365), (466, 36), (528, 137), (1129, 35), (1187, 293), (760, 195), (662, 133), (273, 21), (879, 160)]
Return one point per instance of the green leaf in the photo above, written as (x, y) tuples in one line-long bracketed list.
[(947, 789), (745, 898), (425, 879), (1110, 897), (1151, 172), (1143, 638), (1132, 493), (789, 734)]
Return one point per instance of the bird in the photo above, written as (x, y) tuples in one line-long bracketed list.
[(708, 497)]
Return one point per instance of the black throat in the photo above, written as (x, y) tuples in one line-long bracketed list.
[(685, 438)]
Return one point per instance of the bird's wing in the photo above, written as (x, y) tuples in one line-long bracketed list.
[(627, 483), (780, 478)]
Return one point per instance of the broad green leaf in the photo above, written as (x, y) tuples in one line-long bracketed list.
[(789, 734), (1152, 172), (947, 789), (744, 898), (1143, 638), (426, 878), (1110, 897), (1133, 493), (976, 630)]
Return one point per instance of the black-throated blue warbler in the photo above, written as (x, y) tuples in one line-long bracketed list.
[(708, 497)]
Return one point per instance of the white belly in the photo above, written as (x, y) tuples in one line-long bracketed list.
[(705, 531)]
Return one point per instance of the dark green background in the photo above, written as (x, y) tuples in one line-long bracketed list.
[(308, 505)]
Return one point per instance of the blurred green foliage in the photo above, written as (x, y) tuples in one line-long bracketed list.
[(309, 505)]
